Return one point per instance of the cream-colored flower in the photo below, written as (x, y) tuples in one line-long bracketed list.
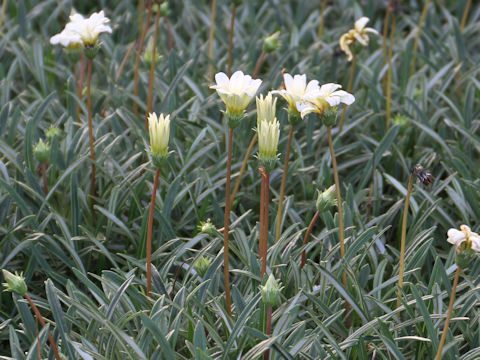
[(358, 33), (328, 96), (266, 108), (268, 134), (89, 29), (68, 39), (236, 92), (295, 89), (457, 237), (159, 130)]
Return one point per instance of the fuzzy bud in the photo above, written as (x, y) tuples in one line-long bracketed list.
[(14, 283), (51, 132), (206, 227), (42, 151), (202, 265), (271, 291), (271, 43), (326, 199)]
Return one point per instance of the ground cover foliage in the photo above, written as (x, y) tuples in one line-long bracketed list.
[(86, 271)]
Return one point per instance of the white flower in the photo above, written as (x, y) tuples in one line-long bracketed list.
[(268, 134), (159, 130), (457, 237), (266, 107), (295, 89), (236, 92), (89, 29), (326, 97), (358, 33), (67, 38)]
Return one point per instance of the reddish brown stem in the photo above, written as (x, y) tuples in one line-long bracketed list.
[(40, 318), (259, 64), (149, 232), (307, 237), (230, 41), (82, 75), (90, 134), (226, 223), (151, 77), (170, 35), (43, 169), (268, 331), (264, 200), (138, 58), (124, 60)]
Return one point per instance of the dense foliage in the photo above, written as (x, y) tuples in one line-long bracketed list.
[(85, 269)]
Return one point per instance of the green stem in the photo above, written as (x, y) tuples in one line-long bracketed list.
[(90, 134), (278, 228), (226, 223), (149, 232), (322, 20), (449, 314), (403, 239)]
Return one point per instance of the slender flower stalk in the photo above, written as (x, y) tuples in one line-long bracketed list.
[(149, 232), (263, 240), (270, 297), (417, 35), (140, 6), (465, 15), (226, 224), (43, 169), (152, 68), (322, 20), (211, 38), (90, 133), (401, 267), (230, 40), (389, 73), (349, 89), (307, 237), (139, 56)]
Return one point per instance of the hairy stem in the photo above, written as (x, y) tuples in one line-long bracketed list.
[(278, 228), (211, 37), (307, 237), (449, 314), (230, 41), (401, 267), (340, 216), (149, 232), (226, 223), (417, 36), (389, 73), (90, 134), (139, 57), (349, 89), (40, 318), (151, 77)]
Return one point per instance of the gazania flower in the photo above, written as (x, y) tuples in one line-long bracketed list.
[(68, 39), (465, 234), (327, 97), (266, 108), (296, 88), (358, 33), (159, 130), (89, 29), (268, 134), (236, 92)]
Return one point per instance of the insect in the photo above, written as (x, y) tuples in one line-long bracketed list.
[(425, 177)]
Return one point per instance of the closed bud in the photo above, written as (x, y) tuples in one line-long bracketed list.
[(329, 116), (164, 9), (14, 283), (42, 151), (271, 43), (202, 265), (51, 132), (271, 291), (326, 199), (159, 130), (148, 54), (206, 227)]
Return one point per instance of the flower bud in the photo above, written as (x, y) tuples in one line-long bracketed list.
[(51, 132), (14, 283), (202, 265), (294, 117), (271, 291), (206, 227), (42, 151), (148, 54), (92, 50), (329, 116), (165, 10), (326, 199), (271, 43), (268, 134), (159, 130), (402, 121)]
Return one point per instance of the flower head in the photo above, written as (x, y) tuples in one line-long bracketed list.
[(358, 34), (67, 38), (14, 283), (266, 108), (464, 235), (236, 93), (327, 97), (206, 227), (326, 199), (268, 134), (296, 88), (271, 291), (89, 29), (159, 130), (271, 43), (42, 151)]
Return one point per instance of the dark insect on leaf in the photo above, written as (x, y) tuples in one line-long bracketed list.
[(425, 177)]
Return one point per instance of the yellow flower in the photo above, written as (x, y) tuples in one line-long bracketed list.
[(326, 98), (159, 130), (266, 107), (236, 92), (358, 33)]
